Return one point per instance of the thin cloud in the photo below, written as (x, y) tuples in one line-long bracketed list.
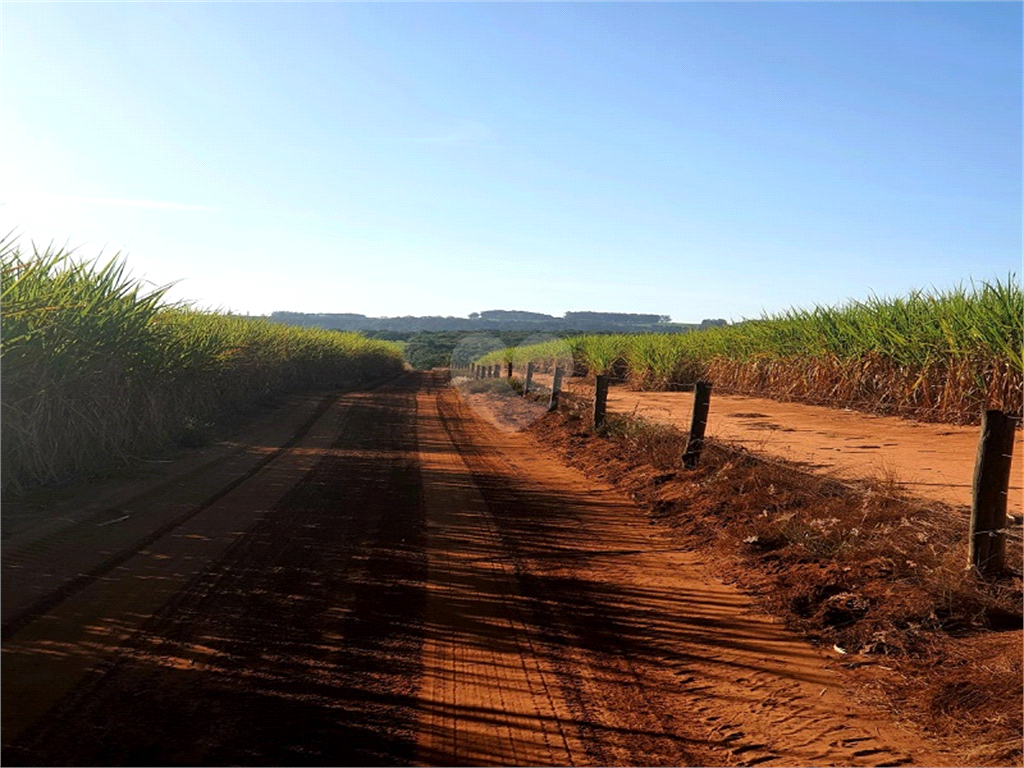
[(117, 202), (461, 132)]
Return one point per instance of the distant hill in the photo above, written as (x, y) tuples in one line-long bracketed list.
[(496, 320)]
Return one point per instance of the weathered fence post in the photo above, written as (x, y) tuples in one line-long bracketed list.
[(600, 401), (695, 443), (987, 543), (529, 379), (556, 387), (509, 376)]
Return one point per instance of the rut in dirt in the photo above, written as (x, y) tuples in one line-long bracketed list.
[(658, 662), (301, 646), (432, 591)]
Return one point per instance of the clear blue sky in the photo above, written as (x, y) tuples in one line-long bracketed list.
[(692, 159)]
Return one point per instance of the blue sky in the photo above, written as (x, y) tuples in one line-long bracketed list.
[(691, 159)]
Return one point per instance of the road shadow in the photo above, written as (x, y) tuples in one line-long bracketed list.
[(303, 645)]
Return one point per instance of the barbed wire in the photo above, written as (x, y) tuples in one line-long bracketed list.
[(856, 484), (834, 404), (866, 486), (894, 410)]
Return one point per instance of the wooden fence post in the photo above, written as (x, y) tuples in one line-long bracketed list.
[(600, 401), (509, 376), (556, 387), (987, 542), (695, 443), (529, 379)]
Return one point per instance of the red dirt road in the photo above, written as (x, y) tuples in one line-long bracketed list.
[(933, 461), (398, 582)]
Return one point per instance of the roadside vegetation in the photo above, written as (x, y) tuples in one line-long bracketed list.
[(433, 349), (933, 356), (97, 367)]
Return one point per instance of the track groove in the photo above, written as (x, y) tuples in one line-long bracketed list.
[(298, 645), (644, 619), (80, 581), (407, 585)]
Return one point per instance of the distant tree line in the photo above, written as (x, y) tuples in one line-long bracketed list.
[(433, 349), (497, 320)]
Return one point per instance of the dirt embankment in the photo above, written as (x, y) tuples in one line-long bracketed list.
[(933, 461), (400, 582)]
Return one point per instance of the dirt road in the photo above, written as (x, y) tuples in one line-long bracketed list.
[(397, 582), (933, 461)]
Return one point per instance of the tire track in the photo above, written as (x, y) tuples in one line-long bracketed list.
[(689, 668), (62, 551), (299, 644), (489, 695), (596, 673), (407, 585)]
